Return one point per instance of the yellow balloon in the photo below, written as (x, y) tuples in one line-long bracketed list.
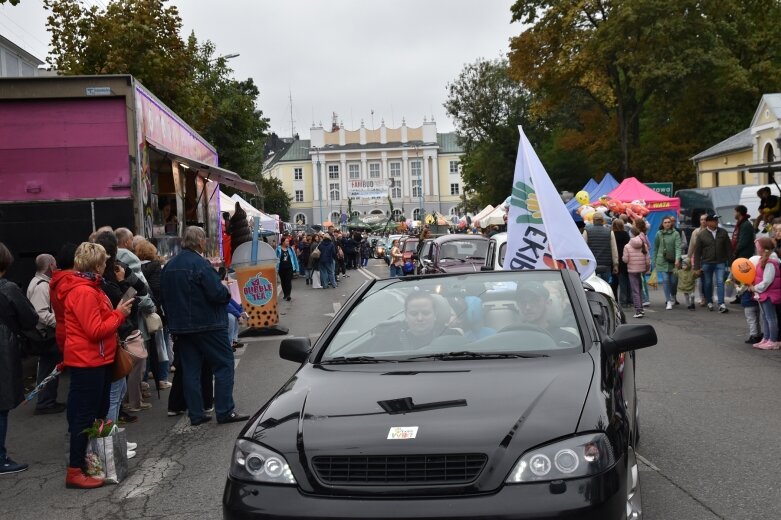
[(583, 197)]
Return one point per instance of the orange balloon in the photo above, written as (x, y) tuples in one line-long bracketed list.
[(743, 271)]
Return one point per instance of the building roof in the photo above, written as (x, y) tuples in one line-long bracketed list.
[(448, 143), (773, 102), (298, 151), (18, 50), (740, 141)]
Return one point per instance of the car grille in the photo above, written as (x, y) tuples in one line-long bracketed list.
[(382, 470)]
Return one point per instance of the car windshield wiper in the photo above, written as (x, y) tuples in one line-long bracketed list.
[(467, 354), (346, 360), (475, 258)]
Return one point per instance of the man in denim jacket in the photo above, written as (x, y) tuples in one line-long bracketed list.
[(194, 301)]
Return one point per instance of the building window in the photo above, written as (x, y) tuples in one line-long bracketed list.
[(396, 215), (416, 214), (299, 195), (396, 192), (374, 170), (454, 211), (414, 168), (454, 188), (336, 217), (454, 167), (300, 219), (298, 174), (354, 171), (355, 214), (417, 188), (395, 169), (334, 191), (333, 171)]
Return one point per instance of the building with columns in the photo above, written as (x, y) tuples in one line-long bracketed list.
[(416, 166), (727, 163)]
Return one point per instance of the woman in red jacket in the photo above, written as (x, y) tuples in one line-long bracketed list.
[(90, 344)]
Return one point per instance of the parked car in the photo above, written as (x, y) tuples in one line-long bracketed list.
[(455, 254), (504, 394)]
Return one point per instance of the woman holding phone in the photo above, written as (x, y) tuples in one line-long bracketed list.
[(91, 326)]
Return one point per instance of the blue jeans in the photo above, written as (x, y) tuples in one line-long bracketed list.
[(212, 347), (395, 270), (118, 390), (88, 399), (668, 279), (3, 433), (769, 320), (327, 274), (708, 271), (233, 328)]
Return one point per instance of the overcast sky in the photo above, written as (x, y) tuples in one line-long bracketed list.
[(344, 56)]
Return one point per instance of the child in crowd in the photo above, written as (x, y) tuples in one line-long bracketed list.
[(686, 279), (638, 262), (751, 312), (767, 290)]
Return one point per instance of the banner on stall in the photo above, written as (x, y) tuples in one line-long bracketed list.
[(540, 231), (369, 189)]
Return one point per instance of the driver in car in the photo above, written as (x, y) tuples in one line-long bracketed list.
[(424, 319), (536, 307)]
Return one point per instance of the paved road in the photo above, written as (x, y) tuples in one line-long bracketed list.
[(709, 416)]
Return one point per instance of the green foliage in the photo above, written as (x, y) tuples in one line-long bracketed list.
[(276, 200), (487, 106), (142, 38), (639, 86), (12, 2)]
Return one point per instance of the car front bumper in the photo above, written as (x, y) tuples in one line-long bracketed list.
[(602, 497)]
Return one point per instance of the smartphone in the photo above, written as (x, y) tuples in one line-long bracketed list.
[(129, 294)]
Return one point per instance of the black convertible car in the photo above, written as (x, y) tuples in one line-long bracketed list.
[(484, 395)]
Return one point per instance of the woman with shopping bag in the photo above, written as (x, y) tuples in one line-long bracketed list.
[(90, 346)]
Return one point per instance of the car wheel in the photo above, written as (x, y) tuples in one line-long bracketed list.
[(634, 501)]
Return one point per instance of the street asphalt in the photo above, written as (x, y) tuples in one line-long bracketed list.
[(709, 419)]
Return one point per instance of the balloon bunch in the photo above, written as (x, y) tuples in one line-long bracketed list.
[(635, 209)]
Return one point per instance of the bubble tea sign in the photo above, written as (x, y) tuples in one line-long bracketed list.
[(257, 283)]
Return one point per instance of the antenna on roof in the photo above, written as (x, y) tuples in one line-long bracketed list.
[(292, 123)]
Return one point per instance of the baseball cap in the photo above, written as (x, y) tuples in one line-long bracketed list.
[(712, 217), (534, 289)]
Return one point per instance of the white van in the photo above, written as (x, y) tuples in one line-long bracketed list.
[(749, 198)]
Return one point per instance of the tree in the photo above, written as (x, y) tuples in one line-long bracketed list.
[(142, 38), (12, 2), (276, 200), (487, 106)]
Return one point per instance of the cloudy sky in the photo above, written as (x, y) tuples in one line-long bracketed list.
[(343, 56)]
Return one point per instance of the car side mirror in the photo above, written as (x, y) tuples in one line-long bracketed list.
[(295, 349), (630, 337)]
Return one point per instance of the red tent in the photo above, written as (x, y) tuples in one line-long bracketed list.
[(631, 189)]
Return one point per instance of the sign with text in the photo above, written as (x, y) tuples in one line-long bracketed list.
[(369, 189), (665, 188)]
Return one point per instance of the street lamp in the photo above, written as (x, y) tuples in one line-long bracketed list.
[(319, 184), (225, 57)]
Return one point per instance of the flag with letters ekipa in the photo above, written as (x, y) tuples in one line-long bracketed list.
[(540, 231)]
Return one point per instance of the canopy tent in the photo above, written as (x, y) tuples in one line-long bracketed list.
[(227, 204), (483, 213), (605, 186), (266, 221), (590, 186), (659, 205), (495, 218)]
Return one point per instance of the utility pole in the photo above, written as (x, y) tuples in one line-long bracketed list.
[(319, 184)]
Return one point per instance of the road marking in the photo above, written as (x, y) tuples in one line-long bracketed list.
[(337, 307), (369, 275), (646, 462)]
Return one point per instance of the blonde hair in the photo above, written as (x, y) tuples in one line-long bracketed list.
[(88, 257), (146, 250)]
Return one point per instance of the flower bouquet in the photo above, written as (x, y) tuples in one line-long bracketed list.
[(106, 452)]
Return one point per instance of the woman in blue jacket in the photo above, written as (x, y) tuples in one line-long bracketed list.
[(287, 264)]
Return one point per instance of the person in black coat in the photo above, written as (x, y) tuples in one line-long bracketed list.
[(16, 314), (620, 283)]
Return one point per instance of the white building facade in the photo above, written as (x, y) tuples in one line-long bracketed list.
[(416, 166), (15, 62)]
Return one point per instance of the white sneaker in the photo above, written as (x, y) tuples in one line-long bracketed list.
[(131, 446), (669, 306), (638, 314), (646, 304), (130, 454)]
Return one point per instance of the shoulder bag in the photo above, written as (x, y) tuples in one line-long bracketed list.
[(123, 363), (134, 344)]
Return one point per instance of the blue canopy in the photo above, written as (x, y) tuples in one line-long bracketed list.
[(605, 186)]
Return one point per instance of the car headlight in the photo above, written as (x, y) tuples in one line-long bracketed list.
[(571, 458), (254, 462)]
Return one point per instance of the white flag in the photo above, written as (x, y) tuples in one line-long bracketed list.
[(540, 231)]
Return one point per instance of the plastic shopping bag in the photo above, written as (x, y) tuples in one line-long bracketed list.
[(107, 456), (653, 281)]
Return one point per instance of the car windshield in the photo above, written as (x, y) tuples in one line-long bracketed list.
[(463, 250), (410, 244), (480, 314)]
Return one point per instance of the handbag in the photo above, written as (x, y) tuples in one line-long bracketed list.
[(153, 322), (316, 253), (107, 456), (134, 345), (123, 364)]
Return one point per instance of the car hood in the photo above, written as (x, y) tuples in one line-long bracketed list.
[(469, 266), (465, 406)]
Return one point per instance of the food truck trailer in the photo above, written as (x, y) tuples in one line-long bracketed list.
[(81, 152)]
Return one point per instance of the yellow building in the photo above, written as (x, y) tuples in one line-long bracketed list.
[(727, 163), (416, 166)]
